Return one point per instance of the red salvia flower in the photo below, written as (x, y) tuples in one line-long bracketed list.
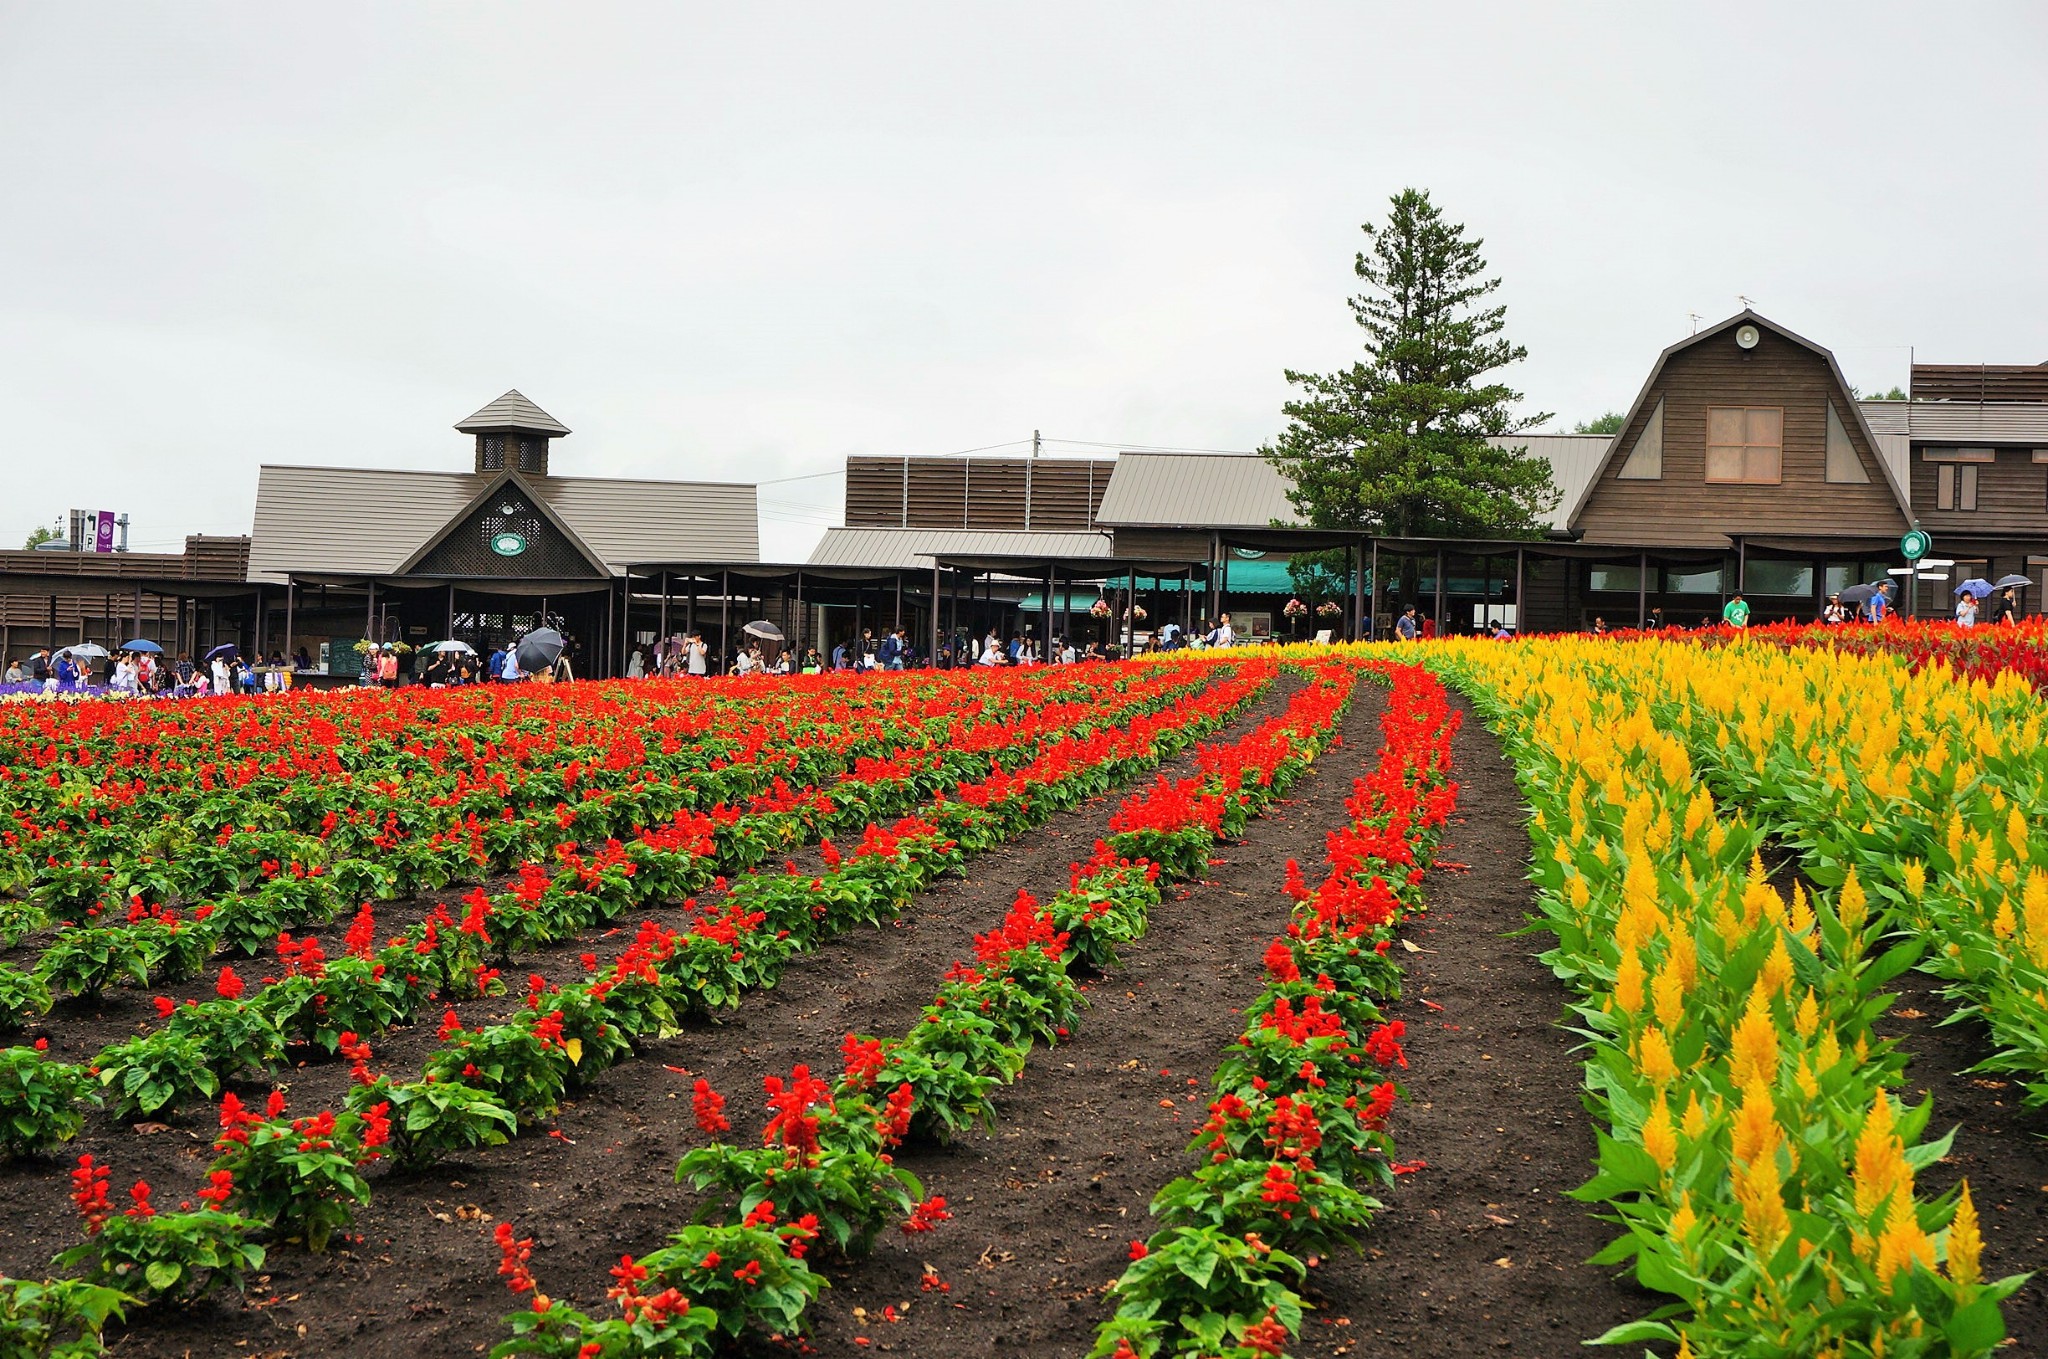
[(140, 1192), (927, 1216), (709, 1106), (229, 986), (89, 1192)]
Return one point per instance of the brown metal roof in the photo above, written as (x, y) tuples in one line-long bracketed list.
[(361, 521), (915, 548), (512, 413), (1195, 490)]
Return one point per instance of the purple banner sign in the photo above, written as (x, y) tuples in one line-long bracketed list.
[(103, 536)]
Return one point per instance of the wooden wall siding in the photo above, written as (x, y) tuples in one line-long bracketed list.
[(1682, 509), (1980, 382), (984, 493), (2012, 498)]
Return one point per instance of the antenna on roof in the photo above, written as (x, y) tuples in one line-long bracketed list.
[(1695, 321), (1747, 305)]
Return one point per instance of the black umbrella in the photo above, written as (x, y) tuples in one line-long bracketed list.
[(2004, 581), (539, 649), (1858, 594), (763, 629), (224, 649)]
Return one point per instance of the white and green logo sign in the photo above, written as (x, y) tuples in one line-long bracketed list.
[(1916, 544), (507, 544)]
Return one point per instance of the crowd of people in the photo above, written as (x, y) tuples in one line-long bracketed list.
[(143, 673)]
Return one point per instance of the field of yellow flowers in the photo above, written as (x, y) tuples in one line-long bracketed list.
[(1737, 847)]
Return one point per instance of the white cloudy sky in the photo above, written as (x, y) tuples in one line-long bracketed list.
[(742, 242)]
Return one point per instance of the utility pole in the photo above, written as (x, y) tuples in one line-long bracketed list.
[(1027, 488)]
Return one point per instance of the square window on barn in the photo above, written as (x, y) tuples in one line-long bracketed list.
[(1746, 444)]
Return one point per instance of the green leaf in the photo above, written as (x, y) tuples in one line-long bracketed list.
[(163, 1274), (1631, 1332)]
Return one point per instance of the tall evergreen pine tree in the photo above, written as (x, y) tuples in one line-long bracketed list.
[(1396, 443)]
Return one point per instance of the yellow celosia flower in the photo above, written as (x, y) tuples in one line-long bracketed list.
[(1660, 1139), (1808, 1085), (2005, 924), (1880, 1158), (1753, 1047), (1851, 904), (2016, 832), (1762, 1198), (1655, 1059), (1628, 981), (1684, 1220), (1694, 1124), (1667, 995), (1965, 1242), (1807, 1018), (1777, 969), (1756, 1133), (1901, 1243)]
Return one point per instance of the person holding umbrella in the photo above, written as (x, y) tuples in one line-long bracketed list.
[(2006, 609), (1966, 609)]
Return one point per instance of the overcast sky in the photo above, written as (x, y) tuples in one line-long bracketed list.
[(742, 242)]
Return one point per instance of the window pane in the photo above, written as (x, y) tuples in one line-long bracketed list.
[(1778, 578), (1613, 578), (1724, 424), (1763, 464), (1724, 462), (1765, 426), (1693, 582), (1967, 497), (1945, 487)]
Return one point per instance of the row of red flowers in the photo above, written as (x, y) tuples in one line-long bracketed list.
[(1296, 1136), (824, 1166)]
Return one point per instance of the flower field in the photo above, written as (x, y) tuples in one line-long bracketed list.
[(1106, 1010)]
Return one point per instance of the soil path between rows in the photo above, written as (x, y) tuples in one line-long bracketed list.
[(423, 1280), (1480, 1252)]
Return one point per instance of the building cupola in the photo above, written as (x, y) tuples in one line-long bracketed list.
[(512, 434)]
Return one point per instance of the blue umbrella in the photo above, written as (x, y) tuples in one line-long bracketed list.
[(224, 649), (143, 644), (1975, 585)]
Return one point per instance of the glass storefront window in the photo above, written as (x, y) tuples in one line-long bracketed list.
[(1693, 582), (1777, 578), (1614, 579)]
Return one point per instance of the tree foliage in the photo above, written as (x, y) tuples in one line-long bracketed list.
[(40, 534), (1397, 443), (1609, 423)]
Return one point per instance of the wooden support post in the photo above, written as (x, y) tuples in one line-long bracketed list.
[(935, 615), (1642, 589), (1521, 607)]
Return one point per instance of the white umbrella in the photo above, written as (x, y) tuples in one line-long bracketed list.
[(453, 646), (91, 651)]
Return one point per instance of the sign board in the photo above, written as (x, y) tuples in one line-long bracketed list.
[(1915, 544), (103, 532)]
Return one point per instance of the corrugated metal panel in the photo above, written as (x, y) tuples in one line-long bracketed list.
[(1887, 417), (1575, 459), (906, 549), (657, 521), (1195, 490), (512, 411), (1966, 422), (368, 521)]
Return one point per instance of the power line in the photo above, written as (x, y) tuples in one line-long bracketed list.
[(1150, 448)]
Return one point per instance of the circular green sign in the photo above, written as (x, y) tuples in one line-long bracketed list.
[(507, 544), (1916, 544)]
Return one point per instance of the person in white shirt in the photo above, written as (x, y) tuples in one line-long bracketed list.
[(222, 683), (696, 655)]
